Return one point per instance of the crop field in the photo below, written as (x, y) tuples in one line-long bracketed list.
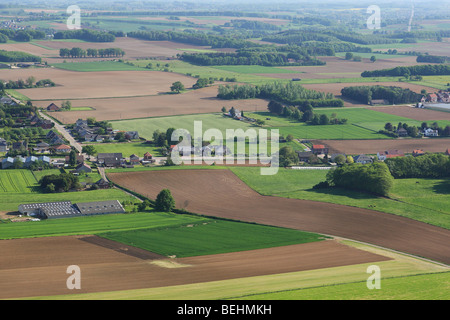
[(106, 268), (17, 181), (418, 114), (192, 102), (95, 224), (83, 85), (210, 237), (128, 148), (96, 66), (146, 127), (245, 204), (341, 132)]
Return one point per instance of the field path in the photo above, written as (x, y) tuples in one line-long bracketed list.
[(220, 193)]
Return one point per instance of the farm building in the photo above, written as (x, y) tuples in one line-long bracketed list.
[(319, 149), (62, 148), (417, 152), (304, 156), (383, 155), (134, 159), (3, 145), (65, 209), (53, 107), (110, 159), (362, 158), (83, 167)]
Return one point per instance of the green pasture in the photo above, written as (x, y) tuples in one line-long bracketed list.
[(94, 224), (96, 66), (250, 69), (210, 237), (147, 126), (329, 132), (128, 148)]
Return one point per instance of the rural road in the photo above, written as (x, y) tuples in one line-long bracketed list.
[(63, 131)]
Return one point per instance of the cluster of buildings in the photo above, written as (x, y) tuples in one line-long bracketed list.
[(26, 162), (84, 132), (321, 151), (114, 160), (440, 96)]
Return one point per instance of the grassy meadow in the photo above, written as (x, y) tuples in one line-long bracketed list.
[(210, 237)]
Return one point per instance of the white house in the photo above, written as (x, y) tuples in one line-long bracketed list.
[(428, 132)]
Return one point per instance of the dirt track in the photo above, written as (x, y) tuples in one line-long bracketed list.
[(37, 267), (220, 193)]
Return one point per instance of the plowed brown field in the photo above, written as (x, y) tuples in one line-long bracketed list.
[(37, 267), (355, 147), (197, 101), (220, 193), (414, 113)]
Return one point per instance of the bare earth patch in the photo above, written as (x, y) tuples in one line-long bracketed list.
[(414, 113), (37, 267)]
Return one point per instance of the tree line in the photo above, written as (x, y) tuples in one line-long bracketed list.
[(435, 165), (250, 58), (432, 59), (288, 93), (86, 35), (30, 82), (20, 35), (422, 70), (303, 113), (18, 56), (194, 38), (365, 94), (93, 53)]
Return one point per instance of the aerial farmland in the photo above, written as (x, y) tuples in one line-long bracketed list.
[(255, 151)]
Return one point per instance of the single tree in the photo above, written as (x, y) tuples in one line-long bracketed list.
[(177, 87), (373, 58), (165, 201)]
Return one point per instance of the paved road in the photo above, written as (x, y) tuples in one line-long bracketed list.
[(63, 131)]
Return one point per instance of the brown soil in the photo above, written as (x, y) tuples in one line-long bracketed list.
[(37, 267), (197, 101), (414, 113), (84, 85), (220, 193), (355, 147)]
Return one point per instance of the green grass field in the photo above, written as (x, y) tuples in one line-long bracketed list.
[(94, 224), (17, 181), (416, 287), (330, 132), (254, 69), (96, 66), (19, 186), (128, 148), (147, 126), (210, 237)]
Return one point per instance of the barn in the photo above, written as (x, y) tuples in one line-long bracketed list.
[(65, 209)]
